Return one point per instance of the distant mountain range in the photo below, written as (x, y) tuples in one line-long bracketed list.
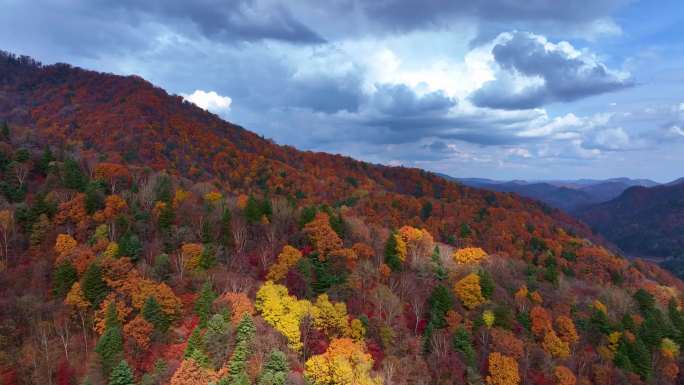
[(567, 195), (647, 222)]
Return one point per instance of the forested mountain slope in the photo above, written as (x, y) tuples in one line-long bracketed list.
[(146, 241), (643, 221)]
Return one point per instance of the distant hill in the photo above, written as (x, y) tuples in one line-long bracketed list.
[(642, 221), (567, 195)]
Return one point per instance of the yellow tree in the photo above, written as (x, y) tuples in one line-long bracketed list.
[(282, 311), (331, 318), (555, 346), (468, 290), (191, 253), (469, 255), (344, 362), (419, 242), (503, 370), (64, 244), (77, 301), (286, 259), (566, 330)]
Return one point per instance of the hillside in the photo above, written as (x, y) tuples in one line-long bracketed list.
[(146, 241), (643, 221)]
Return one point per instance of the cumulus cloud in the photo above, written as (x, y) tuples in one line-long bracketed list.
[(546, 73), (210, 101)]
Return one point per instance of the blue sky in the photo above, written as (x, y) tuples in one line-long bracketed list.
[(496, 88)]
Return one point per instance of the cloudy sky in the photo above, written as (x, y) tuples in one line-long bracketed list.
[(535, 89)]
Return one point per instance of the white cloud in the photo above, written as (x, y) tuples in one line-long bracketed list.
[(210, 101)]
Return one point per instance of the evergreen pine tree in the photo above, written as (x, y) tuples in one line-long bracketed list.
[(122, 374), (152, 312), (162, 267), (130, 246), (392, 254), (486, 283), (438, 267), (94, 197), (253, 210), (462, 344), (439, 302), (166, 218), (275, 370), (43, 165), (621, 358), (216, 339), (72, 176), (63, 278), (94, 287), (245, 329), (194, 343), (110, 348), (204, 303), (208, 257), (226, 236), (640, 359)]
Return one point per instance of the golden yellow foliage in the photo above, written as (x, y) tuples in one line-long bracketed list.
[(64, 244), (413, 242), (330, 318), (669, 349), (555, 346), (282, 311), (566, 329), (598, 305), (469, 255), (213, 196), (111, 251), (179, 197), (192, 253), (503, 370), (286, 259), (488, 318), (343, 363), (76, 299), (469, 292)]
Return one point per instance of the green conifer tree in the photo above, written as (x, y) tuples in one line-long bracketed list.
[(152, 312), (392, 258), (204, 303), (122, 374), (94, 287), (63, 278)]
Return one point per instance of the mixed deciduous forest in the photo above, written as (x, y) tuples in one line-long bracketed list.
[(146, 241)]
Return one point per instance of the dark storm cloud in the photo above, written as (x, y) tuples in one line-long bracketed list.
[(241, 20), (565, 78), (327, 94), (401, 101), (410, 14)]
